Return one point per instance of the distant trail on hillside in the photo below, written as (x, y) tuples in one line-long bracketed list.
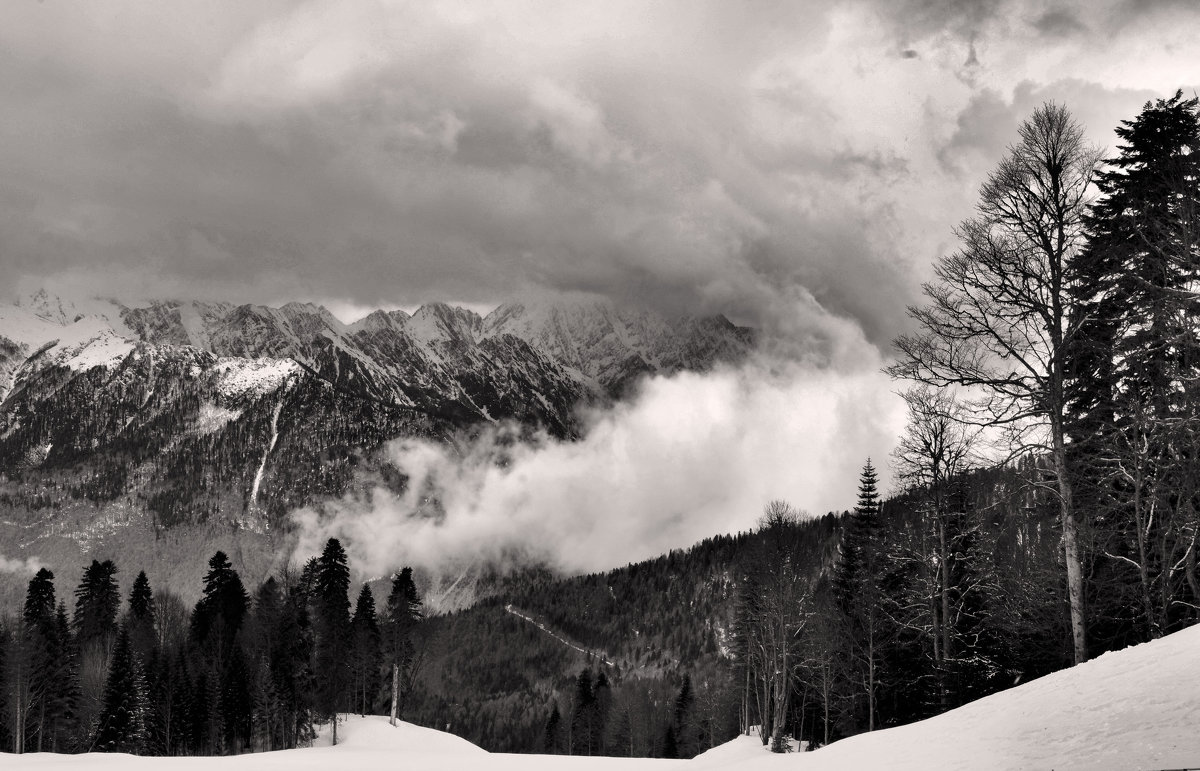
[(600, 655)]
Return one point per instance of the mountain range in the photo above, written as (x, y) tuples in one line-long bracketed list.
[(176, 427)]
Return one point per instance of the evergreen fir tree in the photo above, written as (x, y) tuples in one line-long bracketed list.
[(236, 705), (141, 618), (582, 716), (218, 615), (291, 672), (39, 599), (365, 642), (52, 685), (64, 692), (670, 743), (331, 604), (403, 615), (96, 603), (857, 587), (550, 740), (685, 739), (123, 714), (602, 702), (1133, 370)]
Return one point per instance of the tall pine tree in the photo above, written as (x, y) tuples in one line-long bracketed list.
[(331, 614), (858, 580), (403, 615), (365, 651), (1135, 375), (124, 714), (218, 615)]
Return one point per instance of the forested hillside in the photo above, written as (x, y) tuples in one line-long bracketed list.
[(175, 428)]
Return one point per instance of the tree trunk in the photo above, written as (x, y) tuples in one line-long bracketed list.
[(871, 679), (19, 725), (395, 691), (746, 701), (945, 585), (779, 713), (335, 722), (825, 699), (1070, 548)]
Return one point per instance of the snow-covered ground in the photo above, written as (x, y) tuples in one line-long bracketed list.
[(1135, 709)]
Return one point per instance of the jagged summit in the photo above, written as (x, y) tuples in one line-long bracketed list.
[(602, 346), (119, 419)]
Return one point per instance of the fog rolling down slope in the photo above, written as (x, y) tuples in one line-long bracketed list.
[(157, 433), (1132, 709)]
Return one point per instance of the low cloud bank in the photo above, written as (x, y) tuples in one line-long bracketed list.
[(692, 455), (30, 565)]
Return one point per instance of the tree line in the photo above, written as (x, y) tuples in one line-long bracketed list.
[(1058, 350), (237, 673)]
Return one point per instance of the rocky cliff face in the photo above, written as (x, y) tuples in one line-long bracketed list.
[(146, 423)]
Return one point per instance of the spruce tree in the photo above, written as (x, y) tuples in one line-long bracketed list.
[(52, 678), (601, 708), (122, 724), (141, 618), (1134, 370), (685, 735), (331, 605), (292, 670), (96, 603), (403, 615), (857, 587), (582, 716), (236, 705), (218, 615), (550, 735), (39, 599), (365, 646), (64, 692)]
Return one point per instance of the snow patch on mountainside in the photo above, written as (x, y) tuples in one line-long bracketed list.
[(253, 378), (90, 342), (26, 328), (212, 418), (80, 343)]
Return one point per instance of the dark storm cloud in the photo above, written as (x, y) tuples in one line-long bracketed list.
[(1060, 22), (696, 156)]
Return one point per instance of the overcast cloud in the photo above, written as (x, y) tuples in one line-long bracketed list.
[(699, 156)]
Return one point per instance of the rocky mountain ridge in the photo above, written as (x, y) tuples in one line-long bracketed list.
[(174, 423)]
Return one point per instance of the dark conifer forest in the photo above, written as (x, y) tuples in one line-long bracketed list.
[(1045, 511)]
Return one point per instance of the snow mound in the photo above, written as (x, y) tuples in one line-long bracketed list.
[(375, 733), (1130, 709)]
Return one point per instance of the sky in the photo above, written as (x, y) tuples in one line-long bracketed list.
[(797, 166), (696, 156)]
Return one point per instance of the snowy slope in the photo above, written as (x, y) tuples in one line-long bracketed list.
[(364, 744), (1134, 709)]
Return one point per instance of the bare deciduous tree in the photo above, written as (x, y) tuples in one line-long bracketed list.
[(997, 321)]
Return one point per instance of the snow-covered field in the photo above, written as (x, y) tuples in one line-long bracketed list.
[(1135, 709)]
